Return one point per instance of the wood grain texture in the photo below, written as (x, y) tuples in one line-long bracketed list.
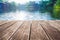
[(23, 32), (30, 30), (6, 25), (3, 22), (37, 32), (6, 34), (52, 32)]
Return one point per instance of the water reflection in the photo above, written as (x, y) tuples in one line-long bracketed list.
[(25, 15)]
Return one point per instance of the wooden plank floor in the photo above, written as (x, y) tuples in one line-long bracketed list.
[(30, 30)]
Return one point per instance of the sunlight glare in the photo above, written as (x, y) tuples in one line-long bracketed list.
[(20, 16), (19, 1)]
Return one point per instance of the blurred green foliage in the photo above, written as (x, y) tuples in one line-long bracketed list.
[(56, 11)]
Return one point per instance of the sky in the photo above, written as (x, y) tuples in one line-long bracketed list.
[(22, 1)]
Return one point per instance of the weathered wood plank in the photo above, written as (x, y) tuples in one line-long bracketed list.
[(5, 35), (37, 32), (54, 24), (57, 20), (52, 32), (3, 22), (5, 26), (23, 32)]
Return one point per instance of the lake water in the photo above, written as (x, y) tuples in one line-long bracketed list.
[(25, 15)]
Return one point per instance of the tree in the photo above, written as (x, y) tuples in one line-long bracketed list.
[(12, 6), (57, 9)]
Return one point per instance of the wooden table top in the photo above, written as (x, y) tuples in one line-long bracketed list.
[(30, 30)]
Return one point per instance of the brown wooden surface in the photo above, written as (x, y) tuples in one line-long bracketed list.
[(30, 30)]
